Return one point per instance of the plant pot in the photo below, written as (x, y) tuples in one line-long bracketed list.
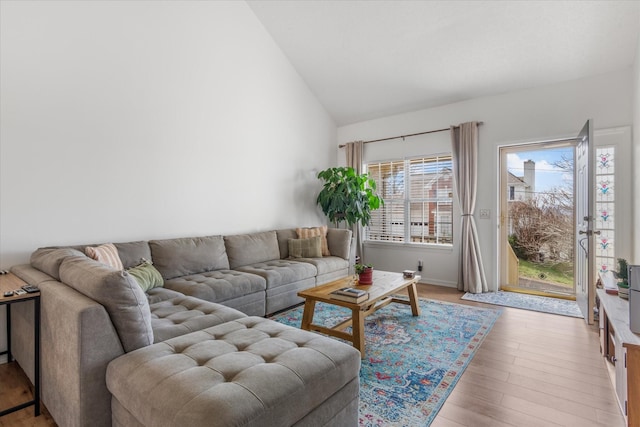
[(623, 292), (366, 277)]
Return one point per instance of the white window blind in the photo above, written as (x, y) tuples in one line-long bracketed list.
[(387, 223), (418, 201)]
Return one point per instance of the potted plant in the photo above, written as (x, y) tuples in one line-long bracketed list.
[(348, 196), (623, 278), (365, 273)]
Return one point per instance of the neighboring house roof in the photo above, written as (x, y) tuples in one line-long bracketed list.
[(512, 179)]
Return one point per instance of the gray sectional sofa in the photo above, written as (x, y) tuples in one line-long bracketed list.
[(196, 351)]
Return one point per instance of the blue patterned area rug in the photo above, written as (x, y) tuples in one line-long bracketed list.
[(528, 302), (412, 363)]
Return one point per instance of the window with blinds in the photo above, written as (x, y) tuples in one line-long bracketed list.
[(418, 201)]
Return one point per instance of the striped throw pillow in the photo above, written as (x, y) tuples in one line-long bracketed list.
[(106, 254), (305, 233)]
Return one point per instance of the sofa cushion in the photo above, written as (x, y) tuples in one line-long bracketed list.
[(48, 260), (219, 285), (327, 264), (246, 249), (281, 272), (189, 255), (305, 233), (118, 292), (106, 254), (132, 253), (245, 372), (305, 248), (339, 241), (146, 275), (180, 315), (283, 240), (161, 294)]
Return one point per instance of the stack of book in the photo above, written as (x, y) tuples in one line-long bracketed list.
[(350, 295)]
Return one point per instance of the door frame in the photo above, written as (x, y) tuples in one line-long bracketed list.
[(584, 233)]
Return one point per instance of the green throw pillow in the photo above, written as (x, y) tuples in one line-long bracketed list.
[(306, 248), (147, 276)]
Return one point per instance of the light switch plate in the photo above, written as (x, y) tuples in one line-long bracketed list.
[(485, 213)]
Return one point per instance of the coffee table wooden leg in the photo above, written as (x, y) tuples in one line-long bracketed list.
[(358, 330), (413, 299), (307, 314)]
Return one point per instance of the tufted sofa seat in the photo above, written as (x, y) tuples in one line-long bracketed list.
[(174, 314), (244, 292), (224, 376), (284, 279)]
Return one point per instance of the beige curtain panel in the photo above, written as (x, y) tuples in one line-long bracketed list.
[(464, 139), (354, 151)]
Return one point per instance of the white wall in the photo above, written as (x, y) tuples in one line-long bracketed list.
[(636, 156), (150, 119), (527, 116), (138, 120)]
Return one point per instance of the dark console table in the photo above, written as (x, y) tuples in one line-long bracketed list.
[(10, 282)]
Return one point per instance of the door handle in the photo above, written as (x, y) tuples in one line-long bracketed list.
[(581, 241), (589, 232)]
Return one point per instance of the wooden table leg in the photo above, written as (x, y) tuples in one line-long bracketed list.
[(307, 314), (413, 298), (358, 330)]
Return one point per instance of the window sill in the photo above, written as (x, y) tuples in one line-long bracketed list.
[(424, 246)]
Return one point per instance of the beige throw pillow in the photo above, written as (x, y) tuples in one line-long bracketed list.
[(106, 254), (305, 233)]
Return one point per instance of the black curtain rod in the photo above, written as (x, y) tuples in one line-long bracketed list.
[(405, 136)]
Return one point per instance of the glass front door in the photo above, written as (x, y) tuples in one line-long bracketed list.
[(537, 218)]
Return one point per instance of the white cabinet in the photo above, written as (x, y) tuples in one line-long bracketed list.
[(621, 347), (621, 374)]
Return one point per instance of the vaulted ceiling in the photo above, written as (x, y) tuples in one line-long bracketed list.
[(369, 59)]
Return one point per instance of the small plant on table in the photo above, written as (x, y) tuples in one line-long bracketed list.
[(623, 278), (365, 273)]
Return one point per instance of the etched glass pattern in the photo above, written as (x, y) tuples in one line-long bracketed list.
[(605, 208)]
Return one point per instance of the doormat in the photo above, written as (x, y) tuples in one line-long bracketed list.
[(559, 306), (412, 363)]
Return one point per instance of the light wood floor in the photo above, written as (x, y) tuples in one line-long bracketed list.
[(15, 389), (533, 369)]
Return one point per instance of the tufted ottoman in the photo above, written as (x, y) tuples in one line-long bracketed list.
[(246, 372)]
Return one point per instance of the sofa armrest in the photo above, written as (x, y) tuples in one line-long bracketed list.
[(22, 320), (77, 343), (31, 275), (339, 241)]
